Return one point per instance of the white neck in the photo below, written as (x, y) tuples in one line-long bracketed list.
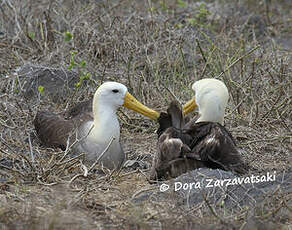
[(211, 96), (106, 124), (212, 109)]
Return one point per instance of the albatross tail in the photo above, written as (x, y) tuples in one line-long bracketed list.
[(176, 114), (173, 118)]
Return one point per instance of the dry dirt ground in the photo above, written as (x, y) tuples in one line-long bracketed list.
[(158, 49)]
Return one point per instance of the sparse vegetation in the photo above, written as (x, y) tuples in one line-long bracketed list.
[(158, 49)]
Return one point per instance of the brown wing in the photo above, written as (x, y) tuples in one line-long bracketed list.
[(55, 131), (172, 158), (80, 108), (52, 129), (215, 147)]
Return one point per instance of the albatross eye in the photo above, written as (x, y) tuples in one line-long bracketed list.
[(115, 90)]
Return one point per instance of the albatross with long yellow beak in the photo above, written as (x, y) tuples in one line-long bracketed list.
[(204, 142), (93, 133)]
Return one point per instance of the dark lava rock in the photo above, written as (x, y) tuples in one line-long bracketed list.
[(220, 188), (57, 83)]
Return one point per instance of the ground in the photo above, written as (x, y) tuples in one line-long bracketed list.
[(158, 49)]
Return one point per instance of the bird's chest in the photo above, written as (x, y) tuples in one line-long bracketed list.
[(109, 153)]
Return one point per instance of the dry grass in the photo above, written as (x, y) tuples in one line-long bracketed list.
[(158, 49)]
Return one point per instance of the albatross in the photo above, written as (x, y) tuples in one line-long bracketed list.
[(91, 132), (186, 144)]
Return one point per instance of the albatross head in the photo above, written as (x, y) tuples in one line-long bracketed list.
[(113, 95), (211, 97)]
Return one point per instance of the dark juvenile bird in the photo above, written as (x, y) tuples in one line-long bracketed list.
[(91, 131), (185, 145)]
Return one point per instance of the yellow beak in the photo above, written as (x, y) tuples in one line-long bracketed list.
[(132, 103), (189, 106)]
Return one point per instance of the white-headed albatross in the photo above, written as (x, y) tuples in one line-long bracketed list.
[(185, 145), (94, 133)]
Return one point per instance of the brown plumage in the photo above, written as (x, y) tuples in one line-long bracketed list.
[(58, 131), (81, 108), (184, 147), (54, 130)]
